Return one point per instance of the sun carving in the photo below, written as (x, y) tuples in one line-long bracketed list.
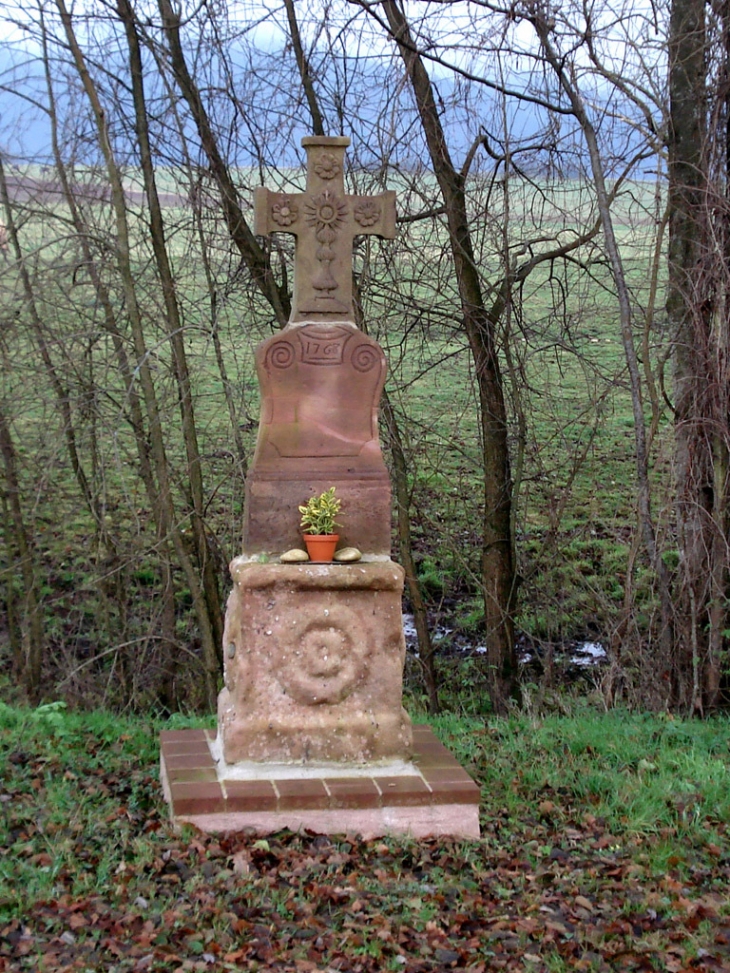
[(327, 166), (367, 212), (325, 211), (284, 211)]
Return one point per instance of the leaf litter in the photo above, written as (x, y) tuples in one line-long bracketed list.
[(103, 883)]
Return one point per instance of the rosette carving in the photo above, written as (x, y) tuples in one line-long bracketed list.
[(284, 211), (327, 167), (367, 212), (328, 661)]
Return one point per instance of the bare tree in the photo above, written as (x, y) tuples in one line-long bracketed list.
[(698, 313), (19, 541), (168, 520), (560, 63)]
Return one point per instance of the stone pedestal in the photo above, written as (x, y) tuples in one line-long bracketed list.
[(314, 664)]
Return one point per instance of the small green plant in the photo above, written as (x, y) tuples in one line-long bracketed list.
[(318, 513), (51, 717)]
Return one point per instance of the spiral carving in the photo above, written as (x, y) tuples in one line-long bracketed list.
[(280, 355), (364, 358), (328, 661)]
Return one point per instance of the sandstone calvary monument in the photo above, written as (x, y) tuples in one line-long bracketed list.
[(311, 727)]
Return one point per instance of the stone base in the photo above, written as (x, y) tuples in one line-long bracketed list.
[(432, 796), (271, 520), (314, 664)]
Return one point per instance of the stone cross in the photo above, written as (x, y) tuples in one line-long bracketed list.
[(324, 219)]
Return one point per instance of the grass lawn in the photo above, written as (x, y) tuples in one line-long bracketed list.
[(605, 847)]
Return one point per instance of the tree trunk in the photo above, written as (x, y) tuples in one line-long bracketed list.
[(305, 72), (23, 548), (660, 664), (165, 508), (206, 561), (497, 557), (689, 310), (11, 601)]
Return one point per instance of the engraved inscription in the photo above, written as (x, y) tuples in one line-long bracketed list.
[(323, 346), (322, 352)]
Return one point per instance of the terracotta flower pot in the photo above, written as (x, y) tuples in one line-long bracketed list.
[(321, 547)]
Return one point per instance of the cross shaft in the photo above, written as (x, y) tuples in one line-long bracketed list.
[(324, 219)]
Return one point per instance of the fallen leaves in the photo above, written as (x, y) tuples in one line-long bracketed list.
[(106, 885), (297, 903)]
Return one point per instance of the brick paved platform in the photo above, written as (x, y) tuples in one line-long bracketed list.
[(435, 796)]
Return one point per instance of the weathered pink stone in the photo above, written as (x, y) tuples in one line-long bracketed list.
[(324, 219), (320, 388), (314, 653), (321, 378), (314, 664)]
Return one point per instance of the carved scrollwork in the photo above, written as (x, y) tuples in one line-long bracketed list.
[(364, 358), (280, 355)]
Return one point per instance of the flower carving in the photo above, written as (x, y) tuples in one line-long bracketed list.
[(284, 211), (327, 166), (325, 211), (367, 212)]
